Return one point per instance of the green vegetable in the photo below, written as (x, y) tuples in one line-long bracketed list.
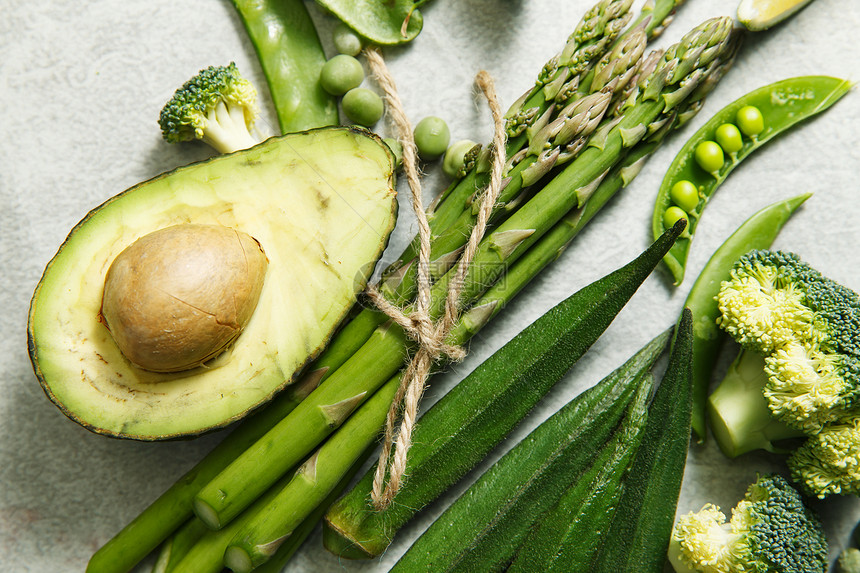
[(340, 74), (805, 325), (431, 137), (799, 372), (565, 538), (685, 195), (363, 106), (167, 513), (217, 106), (641, 529), (381, 356), (197, 548), (782, 104), (458, 431), (770, 530), (455, 157), (827, 462), (382, 22), (673, 215), (750, 121), (709, 155), (345, 40), (729, 138), (261, 534), (483, 528), (849, 561), (292, 57), (757, 232)]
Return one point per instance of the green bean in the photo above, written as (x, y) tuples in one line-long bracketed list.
[(292, 57), (382, 22), (759, 116), (757, 232)]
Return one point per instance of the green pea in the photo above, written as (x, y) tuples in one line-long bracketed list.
[(729, 138), (750, 120), (672, 215), (341, 74), (431, 137), (702, 160), (345, 40), (397, 149), (685, 195), (709, 156), (455, 157), (362, 106)]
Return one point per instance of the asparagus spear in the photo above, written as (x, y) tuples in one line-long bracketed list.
[(358, 523), (682, 69), (495, 393), (170, 510), (173, 507)]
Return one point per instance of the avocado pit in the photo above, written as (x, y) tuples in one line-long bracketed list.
[(180, 295)]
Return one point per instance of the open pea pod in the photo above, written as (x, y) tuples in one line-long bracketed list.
[(381, 22), (730, 136)]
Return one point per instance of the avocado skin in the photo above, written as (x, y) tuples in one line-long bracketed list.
[(365, 147)]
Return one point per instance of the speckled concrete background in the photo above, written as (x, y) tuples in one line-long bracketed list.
[(81, 84)]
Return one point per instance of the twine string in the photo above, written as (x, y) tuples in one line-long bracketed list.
[(419, 324)]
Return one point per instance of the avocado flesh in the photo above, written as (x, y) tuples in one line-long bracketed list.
[(322, 205)]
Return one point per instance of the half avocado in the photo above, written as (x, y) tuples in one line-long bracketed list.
[(320, 204)]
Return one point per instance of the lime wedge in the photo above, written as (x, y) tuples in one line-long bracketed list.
[(758, 15)]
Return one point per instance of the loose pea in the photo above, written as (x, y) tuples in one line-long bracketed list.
[(685, 195), (341, 74), (750, 120), (709, 156), (455, 157), (362, 106), (729, 138), (431, 137), (345, 40), (672, 215)]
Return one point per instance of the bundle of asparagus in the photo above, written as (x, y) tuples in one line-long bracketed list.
[(628, 113)]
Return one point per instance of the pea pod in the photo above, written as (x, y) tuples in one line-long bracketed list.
[(292, 57), (781, 105), (757, 232), (382, 22)]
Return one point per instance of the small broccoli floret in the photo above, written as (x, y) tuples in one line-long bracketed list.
[(828, 462), (849, 561), (771, 531), (808, 329), (218, 106)]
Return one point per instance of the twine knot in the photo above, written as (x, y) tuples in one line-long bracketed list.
[(419, 324)]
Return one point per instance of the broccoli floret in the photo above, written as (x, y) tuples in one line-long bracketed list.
[(828, 462), (849, 561), (807, 327), (218, 106), (771, 531)]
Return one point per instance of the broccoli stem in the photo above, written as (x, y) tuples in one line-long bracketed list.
[(739, 414)]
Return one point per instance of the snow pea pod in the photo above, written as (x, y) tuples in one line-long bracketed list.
[(760, 116), (757, 232), (292, 57), (381, 22)]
